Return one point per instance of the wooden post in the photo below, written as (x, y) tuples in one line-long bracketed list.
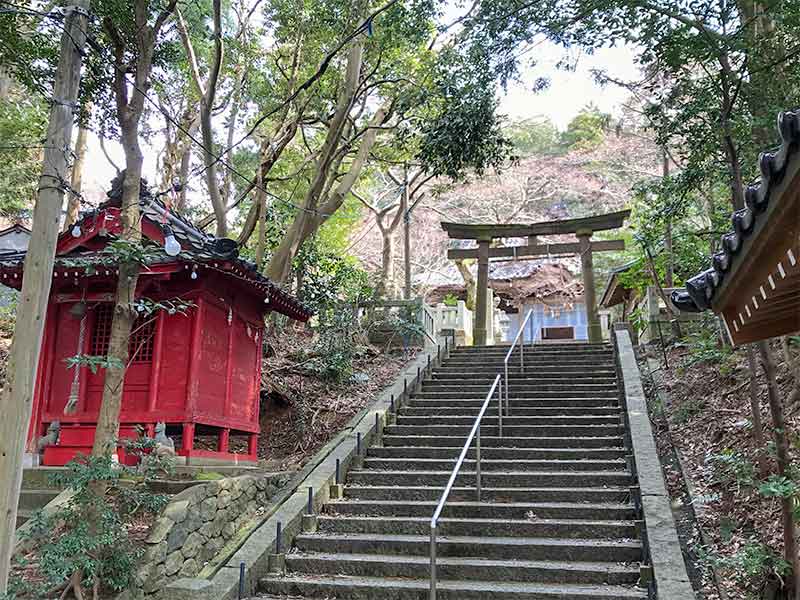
[(17, 396), (587, 269), (481, 297)]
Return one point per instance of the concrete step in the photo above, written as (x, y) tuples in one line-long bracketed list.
[(531, 365), (376, 588), (558, 367), (554, 411), (612, 441), (609, 494), (516, 420), (414, 452), (418, 567), (514, 402), (434, 464), (23, 515), (566, 396), (489, 528), (41, 478), (518, 548), (485, 510), (537, 377), (33, 500), (510, 431), (515, 387), (533, 351), (492, 479)]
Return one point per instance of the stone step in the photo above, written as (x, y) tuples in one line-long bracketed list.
[(574, 389), (376, 588), (533, 350), (555, 411), (516, 420), (510, 431), (492, 479), (505, 442), (537, 377), (488, 528), (485, 510), (418, 567), (560, 368), (566, 395), (519, 548), (514, 402), (609, 494), (32, 499), (23, 515), (451, 453), (530, 365), (433, 464)]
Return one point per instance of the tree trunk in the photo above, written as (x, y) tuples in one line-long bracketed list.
[(755, 409), (783, 464), (129, 114), (794, 369), (280, 265), (669, 274), (387, 286), (105, 440), (469, 281), (16, 399), (76, 178)]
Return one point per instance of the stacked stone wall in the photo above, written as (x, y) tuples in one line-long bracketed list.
[(197, 524)]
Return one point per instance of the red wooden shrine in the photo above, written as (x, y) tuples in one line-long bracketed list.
[(198, 369)]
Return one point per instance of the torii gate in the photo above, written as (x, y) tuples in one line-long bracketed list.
[(582, 228)]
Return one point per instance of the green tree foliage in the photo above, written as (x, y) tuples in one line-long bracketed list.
[(533, 136), (86, 540), (22, 127), (587, 129)]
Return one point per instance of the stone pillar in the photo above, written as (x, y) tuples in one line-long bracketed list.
[(587, 268), (481, 300)]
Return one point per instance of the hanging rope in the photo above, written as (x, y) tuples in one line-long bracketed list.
[(74, 391)]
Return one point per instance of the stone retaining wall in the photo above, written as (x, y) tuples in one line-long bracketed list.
[(197, 524)]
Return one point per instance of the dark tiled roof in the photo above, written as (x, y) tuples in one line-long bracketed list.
[(700, 289), (197, 247)]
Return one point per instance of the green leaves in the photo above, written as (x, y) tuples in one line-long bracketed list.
[(94, 363)]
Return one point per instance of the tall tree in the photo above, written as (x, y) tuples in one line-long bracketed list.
[(16, 399), (133, 31)]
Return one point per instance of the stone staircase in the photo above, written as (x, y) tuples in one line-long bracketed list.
[(556, 518)]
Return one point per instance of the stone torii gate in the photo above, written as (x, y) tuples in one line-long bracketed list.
[(582, 228)]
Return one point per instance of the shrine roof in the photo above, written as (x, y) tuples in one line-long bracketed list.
[(197, 248), (754, 278)]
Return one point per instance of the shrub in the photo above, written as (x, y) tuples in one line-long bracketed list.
[(85, 542)]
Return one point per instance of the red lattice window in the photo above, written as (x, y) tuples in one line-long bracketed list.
[(140, 346)]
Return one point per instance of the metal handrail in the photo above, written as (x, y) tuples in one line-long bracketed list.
[(476, 435), (521, 353)]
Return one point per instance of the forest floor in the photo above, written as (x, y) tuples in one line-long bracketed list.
[(301, 410), (706, 422)]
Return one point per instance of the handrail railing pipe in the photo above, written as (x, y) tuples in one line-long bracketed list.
[(521, 353), (475, 434)]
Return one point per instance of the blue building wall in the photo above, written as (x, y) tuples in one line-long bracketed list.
[(542, 317)]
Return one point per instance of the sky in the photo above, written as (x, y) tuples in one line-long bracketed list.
[(569, 91)]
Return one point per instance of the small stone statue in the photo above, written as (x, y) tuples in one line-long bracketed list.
[(51, 438), (164, 445)]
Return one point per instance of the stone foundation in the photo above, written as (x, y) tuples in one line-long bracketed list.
[(197, 524)]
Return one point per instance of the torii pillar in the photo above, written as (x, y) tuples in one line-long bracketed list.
[(589, 294), (481, 295)]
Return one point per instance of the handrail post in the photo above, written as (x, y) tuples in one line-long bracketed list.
[(478, 461), (433, 562), (500, 410), (505, 367)]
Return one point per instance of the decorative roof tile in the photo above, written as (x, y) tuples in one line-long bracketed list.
[(700, 289)]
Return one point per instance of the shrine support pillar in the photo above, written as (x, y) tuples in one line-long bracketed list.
[(481, 295), (587, 269)]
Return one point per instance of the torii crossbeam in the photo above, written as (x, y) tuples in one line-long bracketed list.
[(583, 229)]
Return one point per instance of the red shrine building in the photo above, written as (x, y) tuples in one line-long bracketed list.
[(196, 368)]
